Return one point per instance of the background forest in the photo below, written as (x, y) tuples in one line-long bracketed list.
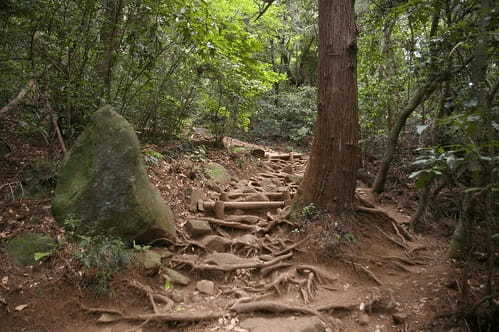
[(426, 71)]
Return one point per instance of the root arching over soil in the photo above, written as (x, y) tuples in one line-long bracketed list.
[(261, 262), (262, 259)]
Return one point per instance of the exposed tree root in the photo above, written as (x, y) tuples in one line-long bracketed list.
[(231, 224), (272, 306), (399, 228), (291, 247), (400, 244), (318, 273), (232, 267), (152, 295), (267, 270), (158, 317)]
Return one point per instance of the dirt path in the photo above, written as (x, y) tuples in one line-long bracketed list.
[(253, 270)]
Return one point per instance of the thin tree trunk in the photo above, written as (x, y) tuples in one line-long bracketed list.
[(330, 178), (424, 92), (110, 38), (19, 98)]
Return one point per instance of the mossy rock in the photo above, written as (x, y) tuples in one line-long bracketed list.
[(104, 185), (217, 173), (22, 248)]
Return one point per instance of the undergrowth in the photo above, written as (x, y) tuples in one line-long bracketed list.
[(100, 256)]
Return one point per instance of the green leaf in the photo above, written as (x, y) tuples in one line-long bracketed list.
[(168, 284), (41, 255)]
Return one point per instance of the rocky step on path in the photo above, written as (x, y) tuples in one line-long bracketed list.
[(242, 254)]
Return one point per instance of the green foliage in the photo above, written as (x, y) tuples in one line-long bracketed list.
[(140, 247), (161, 64), (290, 115), (310, 212), (152, 157), (38, 256), (198, 154), (101, 256)]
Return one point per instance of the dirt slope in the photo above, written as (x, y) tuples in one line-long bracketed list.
[(268, 274)]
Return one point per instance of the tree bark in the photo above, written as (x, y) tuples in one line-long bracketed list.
[(331, 174)]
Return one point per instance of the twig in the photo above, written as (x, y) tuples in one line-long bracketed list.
[(369, 273)]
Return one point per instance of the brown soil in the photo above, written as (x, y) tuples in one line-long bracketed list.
[(400, 284)]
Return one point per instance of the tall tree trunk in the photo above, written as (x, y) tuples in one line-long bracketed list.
[(110, 39), (331, 174)]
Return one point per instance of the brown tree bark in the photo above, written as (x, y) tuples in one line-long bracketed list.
[(330, 178)]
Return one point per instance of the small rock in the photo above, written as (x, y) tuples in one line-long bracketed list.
[(196, 195), (399, 318), (206, 287), (198, 227), (248, 239), (175, 277), (149, 260), (164, 252), (363, 319), (177, 297), (215, 242)]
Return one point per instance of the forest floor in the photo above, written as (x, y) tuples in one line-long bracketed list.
[(269, 274)]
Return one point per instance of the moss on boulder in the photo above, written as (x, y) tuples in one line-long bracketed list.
[(104, 184), (217, 173), (22, 248)]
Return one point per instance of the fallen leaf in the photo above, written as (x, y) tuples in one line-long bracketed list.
[(21, 307)]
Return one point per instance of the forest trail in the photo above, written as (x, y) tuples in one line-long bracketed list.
[(257, 271), (252, 269)]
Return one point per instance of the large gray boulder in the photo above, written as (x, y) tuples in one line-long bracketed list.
[(103, 186)]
